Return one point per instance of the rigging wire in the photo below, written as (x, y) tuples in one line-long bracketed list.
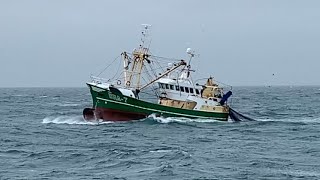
[(117, 70), (165, 58), (155, 92), (159, 58), (108, 65)]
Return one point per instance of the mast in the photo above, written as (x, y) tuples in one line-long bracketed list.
[(186, 72), (125, 65), (143, 50), (140, 55)]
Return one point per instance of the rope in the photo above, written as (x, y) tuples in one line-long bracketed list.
[(108, 65), (117, 69)]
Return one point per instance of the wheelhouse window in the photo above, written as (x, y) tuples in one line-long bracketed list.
[(161, 85), (167, 86), (181, 88), (187, 90), (177, 88), (171, 87), (191, 90), (197, 91)]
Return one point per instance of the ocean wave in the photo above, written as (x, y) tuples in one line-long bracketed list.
[(71, 120), (293, 120), (67, 104), (20, 95), (162, 151), (166, 120)]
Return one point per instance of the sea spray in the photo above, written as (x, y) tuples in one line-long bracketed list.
[(72, 120)]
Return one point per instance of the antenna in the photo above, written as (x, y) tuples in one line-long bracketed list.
[(145, 40), (191, 53), (146, 26)]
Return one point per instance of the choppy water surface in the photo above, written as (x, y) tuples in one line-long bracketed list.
[(43, 135)]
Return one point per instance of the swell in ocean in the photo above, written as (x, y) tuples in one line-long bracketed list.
[(43, 136)]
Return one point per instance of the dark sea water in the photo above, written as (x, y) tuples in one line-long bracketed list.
[(43, 136)]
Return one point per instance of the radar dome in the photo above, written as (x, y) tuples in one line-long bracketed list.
[(189, 51)]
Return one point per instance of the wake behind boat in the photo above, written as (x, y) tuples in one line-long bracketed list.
[(168, 81)]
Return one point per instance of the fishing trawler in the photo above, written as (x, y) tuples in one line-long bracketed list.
[(127, 96)]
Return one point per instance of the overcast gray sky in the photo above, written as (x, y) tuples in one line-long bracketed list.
[(60, 43)]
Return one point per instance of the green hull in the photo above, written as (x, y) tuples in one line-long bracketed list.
[(115, 100)]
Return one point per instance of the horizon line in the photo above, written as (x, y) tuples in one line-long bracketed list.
[(285, 85)]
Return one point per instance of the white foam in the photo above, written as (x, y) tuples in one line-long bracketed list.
[(293, 120), (167, 120), (69, 105), (161, 151), (19, 95), (71, 120)]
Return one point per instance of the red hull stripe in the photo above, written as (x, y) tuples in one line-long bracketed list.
[(117, 115)]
